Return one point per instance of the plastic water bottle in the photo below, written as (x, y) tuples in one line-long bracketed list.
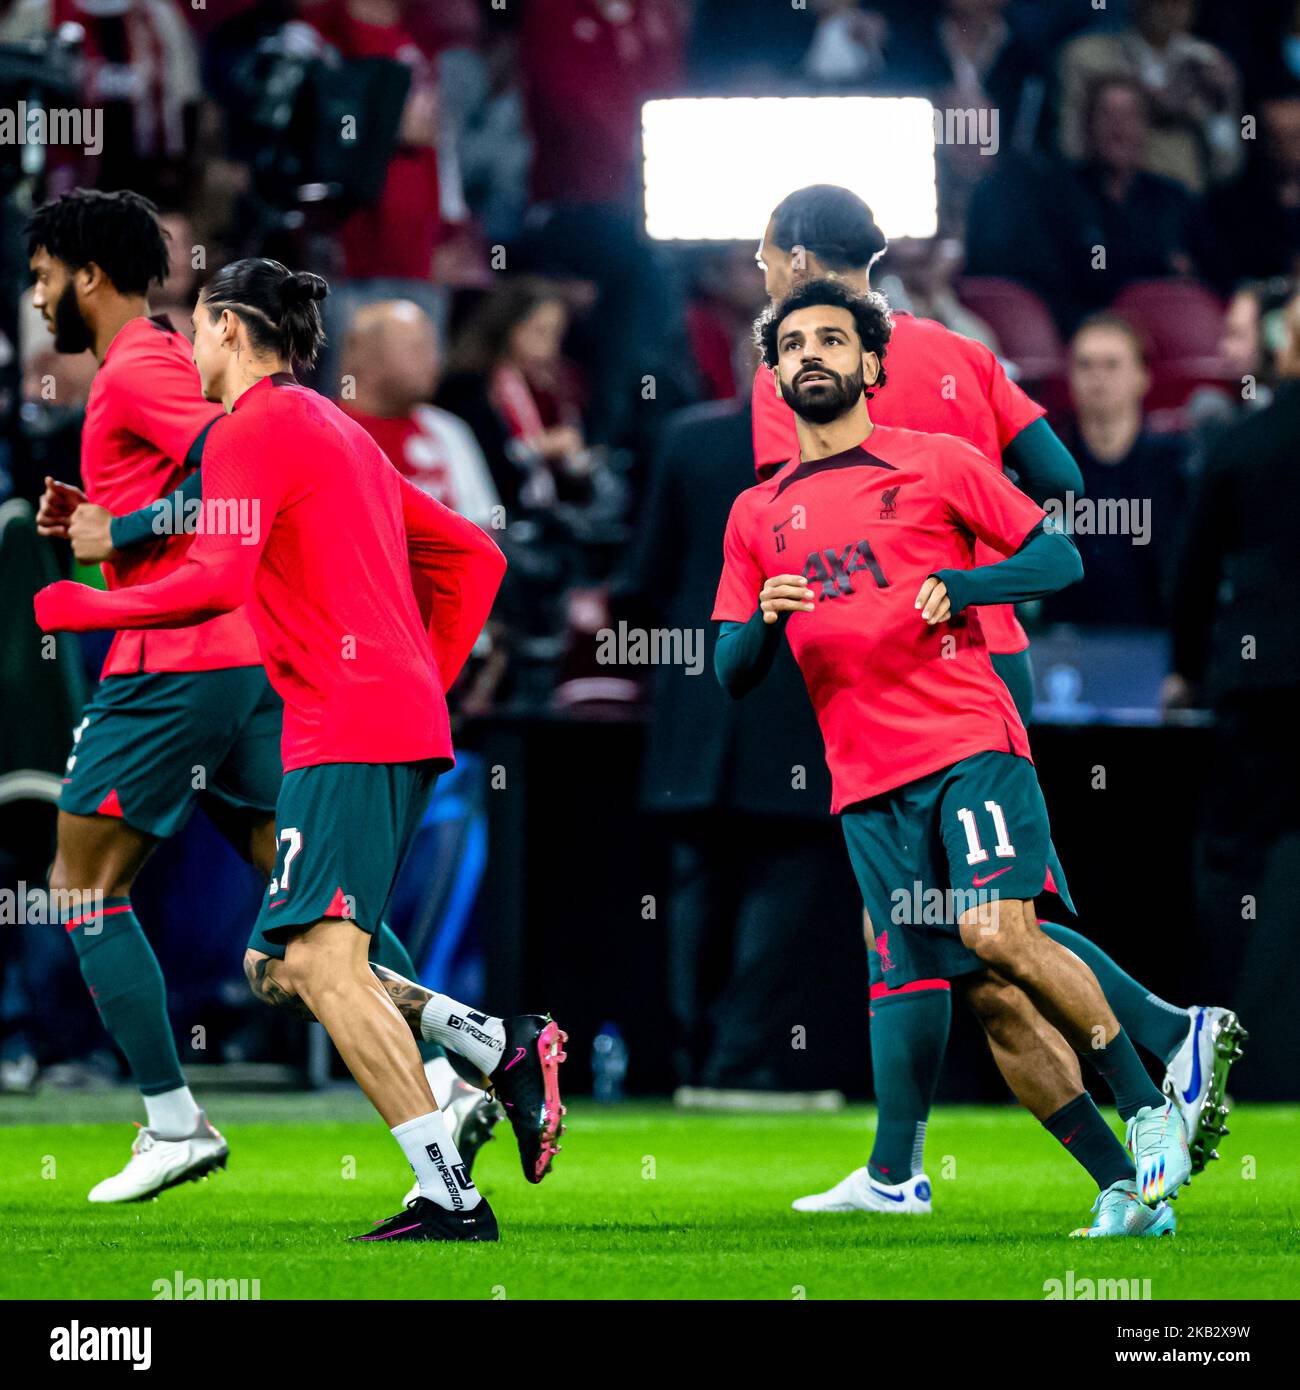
[(608, 1064)]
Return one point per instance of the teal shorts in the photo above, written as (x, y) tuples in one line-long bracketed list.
[(929, 851), (150, 745), (342, 830)]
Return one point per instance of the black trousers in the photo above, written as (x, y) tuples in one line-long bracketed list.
[(1247, 867), (767, 969)]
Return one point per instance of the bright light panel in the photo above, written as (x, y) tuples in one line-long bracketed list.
[(715, 167)]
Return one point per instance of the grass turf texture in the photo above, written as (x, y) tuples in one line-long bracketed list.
[(645, 1202)]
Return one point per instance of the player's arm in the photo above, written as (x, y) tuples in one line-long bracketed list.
[(744, 654), (751, 627), (1044, 467), (98, 536), (142, 525), (456, 570), (1040, 560), (213, 580), (1046, 562), (217, 573)]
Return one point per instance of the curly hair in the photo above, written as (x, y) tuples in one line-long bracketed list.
[(119, 232), (870, 318)]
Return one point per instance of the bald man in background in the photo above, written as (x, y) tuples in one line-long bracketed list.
[(390, 365)]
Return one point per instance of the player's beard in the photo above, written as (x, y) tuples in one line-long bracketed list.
[(826, 403), (71, 332)]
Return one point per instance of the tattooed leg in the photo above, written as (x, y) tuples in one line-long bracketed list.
[(259, 972), (408, 998)]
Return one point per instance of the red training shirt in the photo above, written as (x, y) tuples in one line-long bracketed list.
[(937, 381), (144, 411), (895, 698), (354, 574)]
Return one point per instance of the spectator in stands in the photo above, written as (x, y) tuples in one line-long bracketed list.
[(509, 381), (396, 238), (1255, 222), (1240, 529), (588, 65), (848, 44), (1193, 90), (175, 296), (390, 368), (969, 57), (483, 104), (1112, 221), (1127, 547)]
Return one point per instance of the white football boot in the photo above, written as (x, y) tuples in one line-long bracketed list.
[(861, 1192), (1197, 1077), (1121, 1212), (1157, 1138), (157, 1164)]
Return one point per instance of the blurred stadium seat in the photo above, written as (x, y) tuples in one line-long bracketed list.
[(1182, 321), (1026, 333)]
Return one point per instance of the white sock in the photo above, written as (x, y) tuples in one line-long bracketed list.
[(441, 1075), (173, 1114), (478, 1037), (430, 1150)]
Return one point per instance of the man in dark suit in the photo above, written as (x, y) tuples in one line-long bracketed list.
[(766, 970), (1237, 650)]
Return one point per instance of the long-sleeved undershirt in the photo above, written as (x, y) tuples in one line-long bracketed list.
[(1045, 562)]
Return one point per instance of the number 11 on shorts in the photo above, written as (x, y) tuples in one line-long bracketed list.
[(1002, 847)]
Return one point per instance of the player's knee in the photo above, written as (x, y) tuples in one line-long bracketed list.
[(61, 879), (68, 875), (996, 932)]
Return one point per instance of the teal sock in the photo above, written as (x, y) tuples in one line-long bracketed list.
[(1160, 1027), (1090, 1141), (122, 974), (387, 949), (1121, 1068), (909, 1032)]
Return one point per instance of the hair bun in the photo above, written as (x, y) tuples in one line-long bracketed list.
[(301, 287)]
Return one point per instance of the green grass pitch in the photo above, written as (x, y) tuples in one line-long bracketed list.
[(645, 1201)]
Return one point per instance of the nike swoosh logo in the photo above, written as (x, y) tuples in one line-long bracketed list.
[(888, 1196), (520, 1054), (980, 882), (1196, 1059), (1069, 1138)]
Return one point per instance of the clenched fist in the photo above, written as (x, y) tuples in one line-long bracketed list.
[(58, 502), (785, 593), (90, 534), (933, 601)]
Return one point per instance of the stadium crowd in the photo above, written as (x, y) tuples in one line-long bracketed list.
[(479, 276), (1128, 246)]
